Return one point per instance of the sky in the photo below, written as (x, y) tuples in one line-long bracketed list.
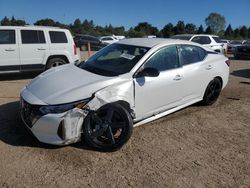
[(128, 13)]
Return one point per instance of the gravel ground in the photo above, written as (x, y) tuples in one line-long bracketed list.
[(195, 147)]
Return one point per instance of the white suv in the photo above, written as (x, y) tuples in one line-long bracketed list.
[(211, 41), (35, 48)]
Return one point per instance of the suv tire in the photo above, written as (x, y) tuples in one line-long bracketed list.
[(54, 62)]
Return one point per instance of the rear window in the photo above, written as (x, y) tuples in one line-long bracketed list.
[(7, 37), (32, 37), (217, 39), (57, 37), (201, 40)]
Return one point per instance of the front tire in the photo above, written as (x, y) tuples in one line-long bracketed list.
[(108, 128), (212, 92)]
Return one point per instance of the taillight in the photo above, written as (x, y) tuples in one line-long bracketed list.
[(75, 51), (227, 62)]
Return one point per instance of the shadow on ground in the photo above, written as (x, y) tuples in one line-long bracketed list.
[(245, 73), (14, 132), (18, 76)]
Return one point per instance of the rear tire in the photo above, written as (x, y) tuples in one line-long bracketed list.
[(108, 128), (55, 62), (212, 92)]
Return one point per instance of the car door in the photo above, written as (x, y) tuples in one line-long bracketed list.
[(156, 94), (9, 52), (196, 74), (33, 49)]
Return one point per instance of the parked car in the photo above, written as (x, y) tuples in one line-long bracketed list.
[(124, 85), (233, 44), (82, 41), (225, 44), (211, 41), (108, 39), (35, 48), (242, 51)]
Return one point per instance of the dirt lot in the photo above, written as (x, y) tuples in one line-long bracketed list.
[(195, 147)]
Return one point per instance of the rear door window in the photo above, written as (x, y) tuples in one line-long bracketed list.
[(7, 37), (191, 54), (58, 37), (32, 37)]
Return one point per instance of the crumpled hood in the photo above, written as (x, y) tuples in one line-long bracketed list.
[(66, 84)]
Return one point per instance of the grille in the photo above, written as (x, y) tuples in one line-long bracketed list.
[(29, 112)]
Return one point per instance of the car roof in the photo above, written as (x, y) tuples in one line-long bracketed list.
[(190, 35), (151, 42)]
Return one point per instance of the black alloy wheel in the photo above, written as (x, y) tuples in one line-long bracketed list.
[(212, 92), (109, 128)]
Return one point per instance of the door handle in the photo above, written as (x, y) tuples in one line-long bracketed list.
[(9, 50), (41, 48), (209, 67), (178, 77)]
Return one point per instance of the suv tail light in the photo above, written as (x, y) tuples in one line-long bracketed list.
[(227, 62), (75, 51)]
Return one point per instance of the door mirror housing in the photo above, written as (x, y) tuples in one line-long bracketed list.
[(148, 72)]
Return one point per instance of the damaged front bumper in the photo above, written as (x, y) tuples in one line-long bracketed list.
[(57, 129)]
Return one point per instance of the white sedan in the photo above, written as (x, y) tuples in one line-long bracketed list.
[(109, 39), (126, 84)]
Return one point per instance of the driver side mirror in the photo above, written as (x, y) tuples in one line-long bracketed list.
[(148, 72)]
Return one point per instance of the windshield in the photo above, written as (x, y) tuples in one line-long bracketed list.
[(181, 37), (114, 60)]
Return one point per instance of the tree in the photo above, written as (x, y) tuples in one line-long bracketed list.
[(190, 28), (133, 33), (208, 30), (76, 27), (237, 33), (167, 31), (45, 22), (200, 30), (5, 21), (179, 28), (146, 29), (229, 33), (216, 22), (244, 32)]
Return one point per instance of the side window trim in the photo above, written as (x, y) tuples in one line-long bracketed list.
[(179, 54), (179, 63), (39, 40), (9, 39)]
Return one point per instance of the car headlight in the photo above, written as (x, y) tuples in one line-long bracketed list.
[(57, 109)]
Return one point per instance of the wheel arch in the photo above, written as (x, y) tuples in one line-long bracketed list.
[(64, 57)]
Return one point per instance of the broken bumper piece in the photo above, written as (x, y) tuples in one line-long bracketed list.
[(58, 129)]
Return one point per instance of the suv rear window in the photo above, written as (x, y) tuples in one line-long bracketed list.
[(32, 37), (57, 37), (217, 39), (201, 40), (7, 37)]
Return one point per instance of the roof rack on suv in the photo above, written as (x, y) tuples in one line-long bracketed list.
[(42, 26)]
